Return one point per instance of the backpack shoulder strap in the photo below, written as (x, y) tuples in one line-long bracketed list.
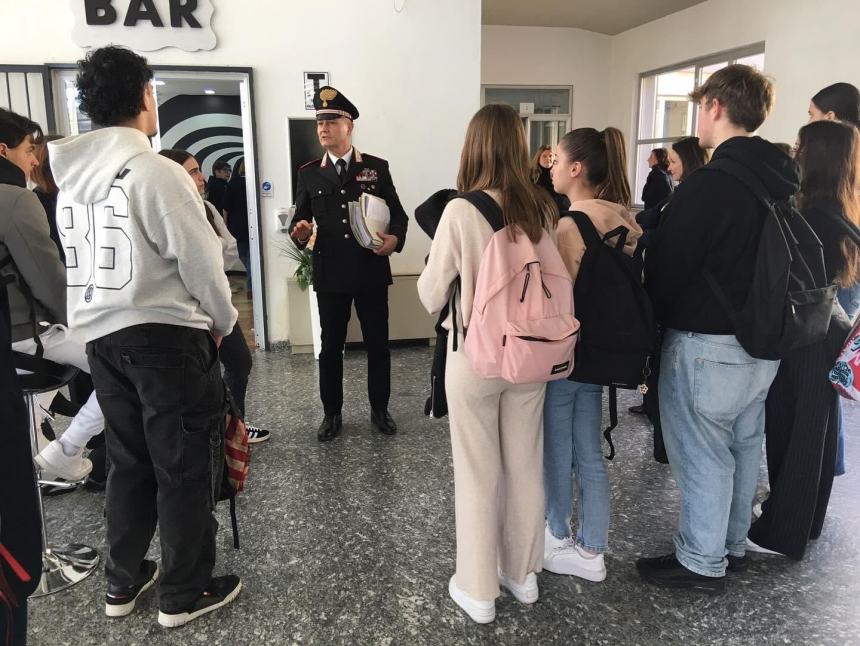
[(488, 207), (744, 176), (586, 227)]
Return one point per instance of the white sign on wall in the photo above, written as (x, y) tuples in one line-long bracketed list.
[(144, 25), (313, 82)]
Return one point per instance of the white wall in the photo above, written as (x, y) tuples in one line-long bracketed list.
[(808, 45), (551, 56), (415, 92)]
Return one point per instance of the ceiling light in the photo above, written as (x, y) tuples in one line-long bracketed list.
[(208, 91)]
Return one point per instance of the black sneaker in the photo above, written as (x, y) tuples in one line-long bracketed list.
[(738, 564), (667, 572), (220, 591), (256, 435), (119, 602)]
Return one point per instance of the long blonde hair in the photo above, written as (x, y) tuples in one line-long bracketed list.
[(496, 156)]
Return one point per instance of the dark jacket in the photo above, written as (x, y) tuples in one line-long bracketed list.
[(20, 530), (658, 186), (49, 203), (35, 263), (824, 220), (649, 220), (236, 205), (545, 180), (713, 222), (340, 264), (216, 190)]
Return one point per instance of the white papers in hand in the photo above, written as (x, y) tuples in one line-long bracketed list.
[(368, 218)]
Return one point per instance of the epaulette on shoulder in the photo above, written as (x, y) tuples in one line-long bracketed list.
[(315, 162)]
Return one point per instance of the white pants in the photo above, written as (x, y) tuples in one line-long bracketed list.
[(65, 347)]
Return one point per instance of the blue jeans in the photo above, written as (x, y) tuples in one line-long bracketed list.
[(572, 446), (712, 396)]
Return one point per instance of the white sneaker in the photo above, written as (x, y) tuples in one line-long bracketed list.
[(564, 556), (481, 612), (754, 547), (524, 593), (757, 510), (69, 467)]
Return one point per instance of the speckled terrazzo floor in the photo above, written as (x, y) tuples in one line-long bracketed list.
[(353, 543)]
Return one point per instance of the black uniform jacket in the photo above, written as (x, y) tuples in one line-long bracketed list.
[(340, 264)]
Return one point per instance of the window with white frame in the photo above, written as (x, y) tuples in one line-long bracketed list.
[(665, 112), (544, 110)]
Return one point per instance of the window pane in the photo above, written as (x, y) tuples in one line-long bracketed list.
[(756, 61), (546, 101), (707, 70), (545, 133), (664, 107)]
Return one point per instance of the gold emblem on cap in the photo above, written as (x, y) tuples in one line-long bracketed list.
[(327, 95)]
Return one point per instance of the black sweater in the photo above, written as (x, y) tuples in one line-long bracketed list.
[(657, 187), (713, 222)]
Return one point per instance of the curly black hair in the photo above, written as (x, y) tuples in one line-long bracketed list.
[(110, 84)]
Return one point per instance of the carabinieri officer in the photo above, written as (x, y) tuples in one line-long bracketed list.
[(343, 271)]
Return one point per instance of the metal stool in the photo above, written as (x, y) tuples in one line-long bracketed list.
[(62, 567)]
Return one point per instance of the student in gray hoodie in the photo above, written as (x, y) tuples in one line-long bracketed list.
[(37, 296), (146, 286)]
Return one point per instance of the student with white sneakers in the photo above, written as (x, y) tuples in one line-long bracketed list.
[(590, 169), (496, 434), (38, 294)]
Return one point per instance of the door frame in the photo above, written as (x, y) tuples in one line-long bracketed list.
[(261, 311)]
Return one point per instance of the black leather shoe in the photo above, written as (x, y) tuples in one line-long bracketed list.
[(383, 422), (667, 572), (330, 428)]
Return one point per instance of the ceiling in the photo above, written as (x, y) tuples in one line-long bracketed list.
[(603, 16), (175, 86)]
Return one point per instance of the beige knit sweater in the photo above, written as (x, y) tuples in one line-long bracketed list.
[(605, 216)]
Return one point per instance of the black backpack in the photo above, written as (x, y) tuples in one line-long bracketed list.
[(618, 332), (428, 216), (790, 301)]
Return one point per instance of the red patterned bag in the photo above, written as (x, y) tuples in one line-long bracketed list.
[(237, 460)]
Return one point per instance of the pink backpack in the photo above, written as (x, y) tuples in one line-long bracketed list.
[(522, 327)]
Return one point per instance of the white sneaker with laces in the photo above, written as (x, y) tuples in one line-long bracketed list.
[(527, 592), (564, 556), (53, 460), (481, 612)]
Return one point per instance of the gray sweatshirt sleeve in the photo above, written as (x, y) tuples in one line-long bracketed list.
[(184, 235), (28, 239)]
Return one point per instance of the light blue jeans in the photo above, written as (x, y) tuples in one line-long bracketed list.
[(712, 396), (572, 446)]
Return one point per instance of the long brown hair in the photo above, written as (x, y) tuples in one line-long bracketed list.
[(42, 175), (536, 167), (604, 155), (691, 154), (828, 154), (180, 157), (496, 156)]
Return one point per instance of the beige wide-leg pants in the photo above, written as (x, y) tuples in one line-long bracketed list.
[(497, 444)]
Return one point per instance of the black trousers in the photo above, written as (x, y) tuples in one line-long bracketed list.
[(236, 359), (801, 429), (160, 389), (372, 310), (16, 624)]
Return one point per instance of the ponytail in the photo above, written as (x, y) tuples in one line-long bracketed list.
[(616, 187), (604, 155)]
